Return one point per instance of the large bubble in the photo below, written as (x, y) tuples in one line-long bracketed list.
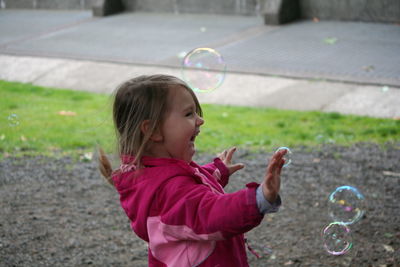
[(203, 69), (346, 205)]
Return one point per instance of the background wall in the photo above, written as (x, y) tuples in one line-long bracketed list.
[(237, 7), (48, 4), (354, 10)]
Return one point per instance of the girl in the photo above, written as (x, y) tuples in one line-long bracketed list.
[(178, 207)]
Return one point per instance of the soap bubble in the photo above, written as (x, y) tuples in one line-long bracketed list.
[(13, 120), (203, 69), (337, 238), (385, 89), (287, 157), (181, 55), (346, 205)]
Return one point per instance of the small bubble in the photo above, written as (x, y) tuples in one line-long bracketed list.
[(181, 54), (13, 120), (337, 238), (330, 40), (287, 157)]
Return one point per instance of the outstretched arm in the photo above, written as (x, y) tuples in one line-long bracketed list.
[(272, 180)]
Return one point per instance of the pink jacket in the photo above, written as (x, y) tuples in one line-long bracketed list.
[(183, 213)]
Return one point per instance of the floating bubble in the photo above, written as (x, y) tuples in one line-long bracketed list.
[(337, 238), (346, 205), (13, 120), (181, 54), (287, 157), (385, 89), (330, 40), (203, 69)]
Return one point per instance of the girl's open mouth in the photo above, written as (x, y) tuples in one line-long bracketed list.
[(194, 136)]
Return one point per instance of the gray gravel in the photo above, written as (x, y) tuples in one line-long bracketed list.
[(60, 212)]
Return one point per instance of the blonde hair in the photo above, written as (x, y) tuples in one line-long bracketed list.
[(136, 100)]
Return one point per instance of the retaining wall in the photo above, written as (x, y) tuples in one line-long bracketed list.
[(354, 10)]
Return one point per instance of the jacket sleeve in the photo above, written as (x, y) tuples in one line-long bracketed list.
[(191, 211), (218, 169)]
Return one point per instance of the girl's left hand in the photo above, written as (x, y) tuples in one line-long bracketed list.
[(226, 158)]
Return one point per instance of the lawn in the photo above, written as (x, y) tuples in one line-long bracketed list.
[(40, 120)]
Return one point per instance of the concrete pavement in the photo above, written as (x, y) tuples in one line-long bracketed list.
[(346, 67)]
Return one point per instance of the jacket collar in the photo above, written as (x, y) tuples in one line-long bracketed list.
[(151, 161)]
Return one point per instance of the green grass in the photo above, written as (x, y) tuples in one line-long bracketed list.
[(30, 123), (270, 128)]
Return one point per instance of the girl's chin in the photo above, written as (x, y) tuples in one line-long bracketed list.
[(191, 153)]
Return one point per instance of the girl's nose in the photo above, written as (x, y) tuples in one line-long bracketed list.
[(199, 121)]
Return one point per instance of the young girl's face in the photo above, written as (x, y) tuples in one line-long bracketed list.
[(181, 125)]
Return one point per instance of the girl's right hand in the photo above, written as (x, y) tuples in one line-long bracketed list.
[(226, 157), (272, 180)]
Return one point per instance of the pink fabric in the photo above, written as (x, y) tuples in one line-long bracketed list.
[(217, 174), (215, 187), (177, 245), (182, 211)]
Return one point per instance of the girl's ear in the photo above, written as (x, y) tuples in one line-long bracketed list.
[(156, 136)]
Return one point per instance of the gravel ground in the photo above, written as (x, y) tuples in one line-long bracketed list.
[(59, 211)]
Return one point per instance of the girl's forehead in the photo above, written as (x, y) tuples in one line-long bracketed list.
[(179, 94)]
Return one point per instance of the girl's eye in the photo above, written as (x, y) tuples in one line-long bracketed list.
[(189, 114)]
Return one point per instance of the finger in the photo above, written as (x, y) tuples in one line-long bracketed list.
[(272, 178), (222, 155), (230, 154), (280, 167), (236, 167), (275, 157), (283, 161), (280, 154), (273, 165), (275, 171)]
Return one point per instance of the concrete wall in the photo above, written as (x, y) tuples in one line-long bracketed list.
[(238, 7), (355, 10), (49, 4)]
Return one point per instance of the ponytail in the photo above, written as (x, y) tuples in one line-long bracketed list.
[(105, 166)]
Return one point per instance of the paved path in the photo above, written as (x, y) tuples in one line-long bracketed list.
[(347, 67)]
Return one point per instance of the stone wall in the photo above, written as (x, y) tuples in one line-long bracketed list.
[(237, 7), (354, 10), (49, 4)]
